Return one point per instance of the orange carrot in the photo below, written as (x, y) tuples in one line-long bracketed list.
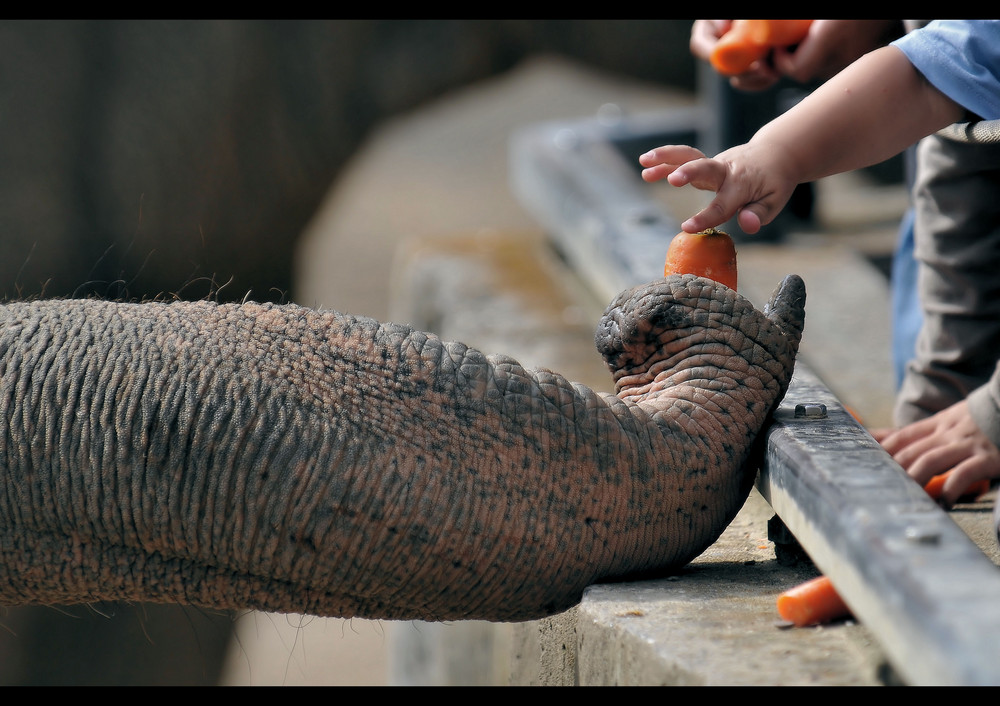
[(777, 33), (812, 603), (734, 53), (748, 41), (816, 602), (935, 486), (710, 253)]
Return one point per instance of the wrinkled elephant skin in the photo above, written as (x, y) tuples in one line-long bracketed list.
[(286, 459)]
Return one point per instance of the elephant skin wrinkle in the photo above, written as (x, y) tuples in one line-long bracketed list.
[(274, 457)]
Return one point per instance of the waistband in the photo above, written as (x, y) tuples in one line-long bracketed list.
[(977, 132)]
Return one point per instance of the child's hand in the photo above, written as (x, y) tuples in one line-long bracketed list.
[(755, 195), (947, 440)]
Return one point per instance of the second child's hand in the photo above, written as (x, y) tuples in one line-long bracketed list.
[(743, 186)]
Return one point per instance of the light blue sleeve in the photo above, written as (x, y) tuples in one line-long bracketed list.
[(961, 58)]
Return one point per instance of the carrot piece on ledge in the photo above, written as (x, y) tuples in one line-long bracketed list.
[(710, 253), (814, 602)]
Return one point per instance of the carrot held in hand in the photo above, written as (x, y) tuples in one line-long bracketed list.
[(748, 41), (935, 486), (777, 33), (735, 52), (812, 603), (710, 253)]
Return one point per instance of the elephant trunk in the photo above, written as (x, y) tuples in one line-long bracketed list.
[(290, 460)]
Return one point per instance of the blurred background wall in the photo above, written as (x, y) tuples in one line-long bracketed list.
[(183, 158), (143, 159)]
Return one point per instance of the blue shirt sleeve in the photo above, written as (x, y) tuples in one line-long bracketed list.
[(961, 58)]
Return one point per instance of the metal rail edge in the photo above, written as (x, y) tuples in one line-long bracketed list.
[(928, 594)]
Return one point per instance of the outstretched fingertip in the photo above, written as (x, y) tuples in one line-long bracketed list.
[(691, 226)]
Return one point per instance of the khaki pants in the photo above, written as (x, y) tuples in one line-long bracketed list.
[(957, 245)]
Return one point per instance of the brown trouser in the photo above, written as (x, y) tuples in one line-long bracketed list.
[(957, 245)]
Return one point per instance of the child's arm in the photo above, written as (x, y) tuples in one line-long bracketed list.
[(872, 110)]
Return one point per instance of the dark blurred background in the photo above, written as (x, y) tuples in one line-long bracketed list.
[(183, 158), (143, 159)]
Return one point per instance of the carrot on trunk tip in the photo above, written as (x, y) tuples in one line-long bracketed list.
[(710, 253)]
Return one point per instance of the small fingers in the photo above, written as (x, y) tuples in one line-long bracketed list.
[(657, 172), (932, 460), (670, 154), (895, 440), (705, 35), (759, 77), (961, 479), (659, 163), (750, 218), (880, 434), (738, 191), (731, 198), (715, 214)]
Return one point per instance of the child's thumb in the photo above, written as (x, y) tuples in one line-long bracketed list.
[(748, 220)]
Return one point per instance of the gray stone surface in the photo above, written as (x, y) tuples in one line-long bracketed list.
[(715, 624)]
